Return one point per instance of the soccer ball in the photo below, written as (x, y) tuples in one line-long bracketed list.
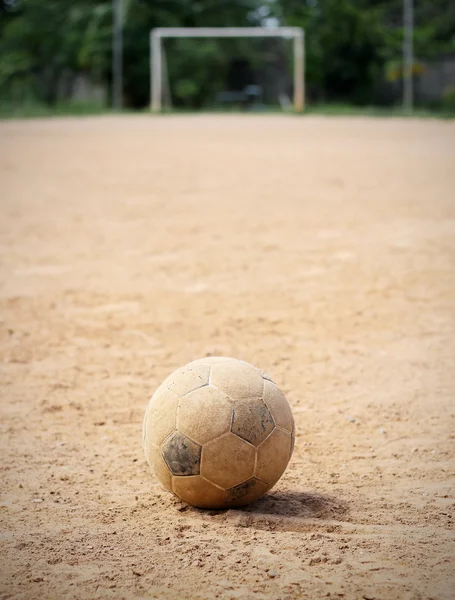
[(218, 433)]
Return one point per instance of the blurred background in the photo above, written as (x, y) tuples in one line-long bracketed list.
[(56, 54)]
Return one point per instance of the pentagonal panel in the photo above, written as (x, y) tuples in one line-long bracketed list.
[(273, 456), (227, 461), (182, 455), (236, 379), (186, 379), (197, 491), (252, 420), (245, 493), (159, 467), (161, 416), (278, 405), (204, 414)]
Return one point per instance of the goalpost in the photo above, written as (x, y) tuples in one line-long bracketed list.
[(296, 34)]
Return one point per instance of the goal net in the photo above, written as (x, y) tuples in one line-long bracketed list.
[(239, 82)]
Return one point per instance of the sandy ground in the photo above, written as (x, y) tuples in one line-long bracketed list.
[(320, 249)]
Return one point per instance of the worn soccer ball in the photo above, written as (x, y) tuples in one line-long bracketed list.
[(218, 433)]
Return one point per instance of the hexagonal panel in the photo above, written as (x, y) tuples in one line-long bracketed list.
[(267, 376), (204, 414), (144, 426), (252, 421), (158, 466), (186, 379), (227, 461), (258, 370), (292, 439), (161, 416), (245, 493), (182, 455), (278, 405), (273, 456), (197, 491), (209, 360), (237, 379)]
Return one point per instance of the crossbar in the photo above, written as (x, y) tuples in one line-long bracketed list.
[(226, 32)]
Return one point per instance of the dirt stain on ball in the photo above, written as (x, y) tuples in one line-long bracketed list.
[(182, 455), (252, 421)]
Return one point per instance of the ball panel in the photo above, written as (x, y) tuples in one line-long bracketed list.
[(246, 492), (197, 491), (252, 421), (161, 416), (182, 455), (278, 405), (227, 461), (237, 380), (159, 467), (209, 360), (267, 376), (144, 426), (186, 379), (204, 414), (273, 456), (257, 369)]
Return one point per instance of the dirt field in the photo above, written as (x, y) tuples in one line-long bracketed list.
[(320, 249)]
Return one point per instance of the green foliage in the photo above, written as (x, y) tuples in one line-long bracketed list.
[(448, 99), (352, 46), (41, 42)]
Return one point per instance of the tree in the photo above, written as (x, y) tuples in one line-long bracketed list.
[(352, 43), (42, 41)]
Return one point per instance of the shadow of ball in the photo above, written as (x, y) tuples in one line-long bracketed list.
[(218, 433)]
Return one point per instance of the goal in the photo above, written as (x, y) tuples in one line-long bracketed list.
[(295, 34)]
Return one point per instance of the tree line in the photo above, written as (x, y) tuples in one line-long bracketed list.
[(352, 46)]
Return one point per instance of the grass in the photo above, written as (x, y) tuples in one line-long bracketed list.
[(330, 109), (29, 110), (35, 110), (379, 111)]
